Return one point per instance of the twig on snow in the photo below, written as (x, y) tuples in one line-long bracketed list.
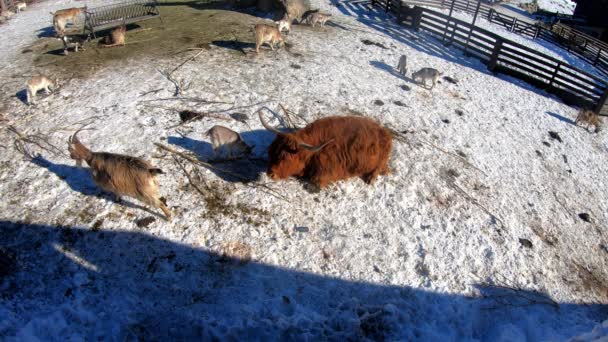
[(194, 160)]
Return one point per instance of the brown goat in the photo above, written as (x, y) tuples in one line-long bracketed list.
[(121, 174)]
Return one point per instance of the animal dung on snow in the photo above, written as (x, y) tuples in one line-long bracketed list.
[(330, 149), (120, 174)]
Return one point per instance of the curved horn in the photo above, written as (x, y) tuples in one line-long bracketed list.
[(315, 148), (266, 125)]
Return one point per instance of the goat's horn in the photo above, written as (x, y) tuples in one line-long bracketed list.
[(266, 125), (315, 148)]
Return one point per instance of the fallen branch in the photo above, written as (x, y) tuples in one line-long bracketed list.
[(180, 85), (35, 139), (194, 160), (187, 99), (468, 197), (150, 92), (462, 159)]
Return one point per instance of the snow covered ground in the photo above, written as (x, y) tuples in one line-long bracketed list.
[(477, 233), (554, 6)]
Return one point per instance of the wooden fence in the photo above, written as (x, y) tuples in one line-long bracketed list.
[(586, 47), (574, 86)]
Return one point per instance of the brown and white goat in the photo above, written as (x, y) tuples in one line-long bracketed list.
[(590, 118), (116, 37), (36, 84), (120, 174), (225, 139)]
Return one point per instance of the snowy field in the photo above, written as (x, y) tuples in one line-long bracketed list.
[(553, 6), (492, 225)]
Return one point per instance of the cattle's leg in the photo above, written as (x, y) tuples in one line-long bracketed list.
[(370, 178)]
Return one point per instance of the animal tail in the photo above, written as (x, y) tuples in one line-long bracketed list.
[(155, 171)]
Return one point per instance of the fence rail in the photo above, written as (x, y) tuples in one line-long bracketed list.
[(574, 86), (586, 47)]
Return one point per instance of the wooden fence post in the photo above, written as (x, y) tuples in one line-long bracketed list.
[(388, 6), (602, 105), (597, 58), (513, 24), (490, 14), (559, 65), (537, 31), (417, 18), (495, 52)]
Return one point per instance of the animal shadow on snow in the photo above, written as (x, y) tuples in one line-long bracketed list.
[(241, 170), (46, 32), (164, 290), (561, 118), (234, 45), (79, 179), (391, 70), (22, 96)]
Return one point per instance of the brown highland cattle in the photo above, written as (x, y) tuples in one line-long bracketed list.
[(331, 149)]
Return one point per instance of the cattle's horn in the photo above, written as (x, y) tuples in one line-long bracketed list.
[(315, 148), (267, 126)]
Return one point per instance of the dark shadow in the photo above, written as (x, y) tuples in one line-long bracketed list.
[(561, 118), (241, 6), (56, 52), (244, 169), (131, 286), (22, 96), (391, 70), (79, 179), (234, 45), (46, 32)]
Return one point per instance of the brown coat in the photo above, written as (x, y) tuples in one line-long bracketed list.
[(331, 149)]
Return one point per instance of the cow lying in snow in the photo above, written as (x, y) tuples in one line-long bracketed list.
[(330, 149)]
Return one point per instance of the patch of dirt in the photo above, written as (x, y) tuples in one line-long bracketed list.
[(184, 25)]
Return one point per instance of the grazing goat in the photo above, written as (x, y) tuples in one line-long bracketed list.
[(590, 118), (224, 138), (62, 17), (330, 149), (425, 74), (267, 34), (116, 37), (20, 6), (121, 175), (402, 66), (284, 24), (319, 18), (296, 9), (36, 84)]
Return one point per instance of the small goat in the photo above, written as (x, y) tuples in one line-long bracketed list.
[(62, 17), (224, 138), (590, 118), (267, 34), (20, 6), (425, 74), (121, 175), (73, 42), (284, 24), (402, 66), (319, 18), (116, 37), (36, 84)]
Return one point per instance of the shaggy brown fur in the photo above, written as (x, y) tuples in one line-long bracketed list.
[(590, 118), (116, 37), (62, 17), (346, 146), (121, 175), (267, 34)]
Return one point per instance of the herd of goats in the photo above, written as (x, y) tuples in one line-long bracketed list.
[(326, 150)]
